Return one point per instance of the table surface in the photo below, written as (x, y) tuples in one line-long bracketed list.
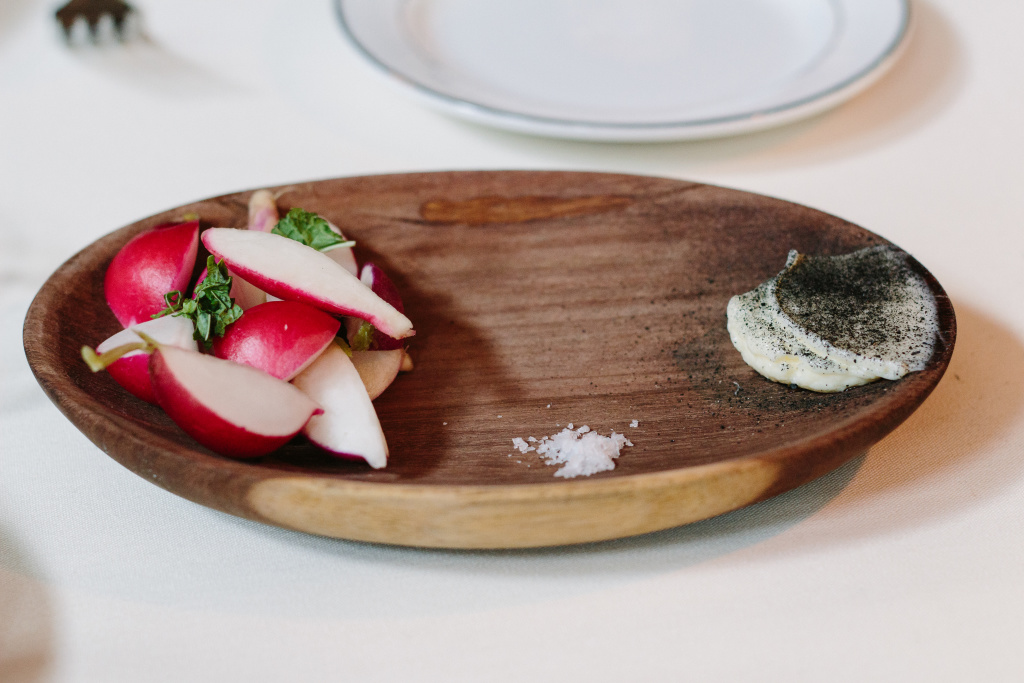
[(906, 564)]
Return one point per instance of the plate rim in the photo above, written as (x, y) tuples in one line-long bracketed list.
[(693, 129), (77, 404)]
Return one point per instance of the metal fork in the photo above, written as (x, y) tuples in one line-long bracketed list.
[(92, 13)]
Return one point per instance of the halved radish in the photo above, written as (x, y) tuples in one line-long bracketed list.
[(380, 284), (131, 370), (348, 426), (294, 272), (278, 337), (148, 267), (232, 409), (263, 216)]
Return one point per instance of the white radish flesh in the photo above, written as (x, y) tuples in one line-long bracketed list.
[(294, 272), (348, 426)]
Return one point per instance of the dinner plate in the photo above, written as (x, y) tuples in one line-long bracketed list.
[(539, 299), (629, 69)]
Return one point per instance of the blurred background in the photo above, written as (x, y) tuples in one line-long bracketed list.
[(903, 565)]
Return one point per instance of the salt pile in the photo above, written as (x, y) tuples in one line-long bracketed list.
[(581, 452)]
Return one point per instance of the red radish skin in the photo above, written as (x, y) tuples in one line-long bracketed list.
[(278, 337), (232, 409), (149, 266), (292, 271), (131, 371), (374, 277)]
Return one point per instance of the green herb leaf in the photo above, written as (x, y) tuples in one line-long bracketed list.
[(311, 230), (211, 309), (361, 340)]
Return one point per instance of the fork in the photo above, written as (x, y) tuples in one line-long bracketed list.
[(92, 13)]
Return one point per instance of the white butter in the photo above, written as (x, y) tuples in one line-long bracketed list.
[(871, 317)]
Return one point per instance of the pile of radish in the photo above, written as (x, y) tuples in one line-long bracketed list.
[(253, 357)]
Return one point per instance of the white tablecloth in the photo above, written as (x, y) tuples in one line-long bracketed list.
[(904, 565)]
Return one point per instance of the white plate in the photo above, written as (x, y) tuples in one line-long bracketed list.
[(630, 69)]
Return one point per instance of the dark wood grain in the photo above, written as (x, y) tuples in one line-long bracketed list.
[(601, 296)]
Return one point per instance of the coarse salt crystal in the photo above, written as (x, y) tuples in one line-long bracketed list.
[(522, 445), (581, 452), (634, 423)]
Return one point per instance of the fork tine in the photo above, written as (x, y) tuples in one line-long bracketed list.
[(66, 15), (95, 15), (104, 30)]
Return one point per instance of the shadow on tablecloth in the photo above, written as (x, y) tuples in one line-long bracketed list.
[(26, 619)]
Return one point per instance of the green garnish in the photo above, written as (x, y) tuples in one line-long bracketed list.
[(340, 341), (361, 340), (311, 230), (211, 309), (100, 361)]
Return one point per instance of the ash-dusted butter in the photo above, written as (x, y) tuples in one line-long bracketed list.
[(826, 323)]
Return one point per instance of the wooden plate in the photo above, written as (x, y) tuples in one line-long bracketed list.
[(539, 299)]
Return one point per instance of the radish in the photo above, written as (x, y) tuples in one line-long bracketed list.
[(380, 284), (262, 217), (238, 402), (305, 227), (294, 272), (147, 267), (232, 409), (131, 370), (349, 426), (378, 369), (278, 337), (383, 357), (343, 256), (263, 214)]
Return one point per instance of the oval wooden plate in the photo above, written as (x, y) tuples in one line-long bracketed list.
[(540, 299)]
